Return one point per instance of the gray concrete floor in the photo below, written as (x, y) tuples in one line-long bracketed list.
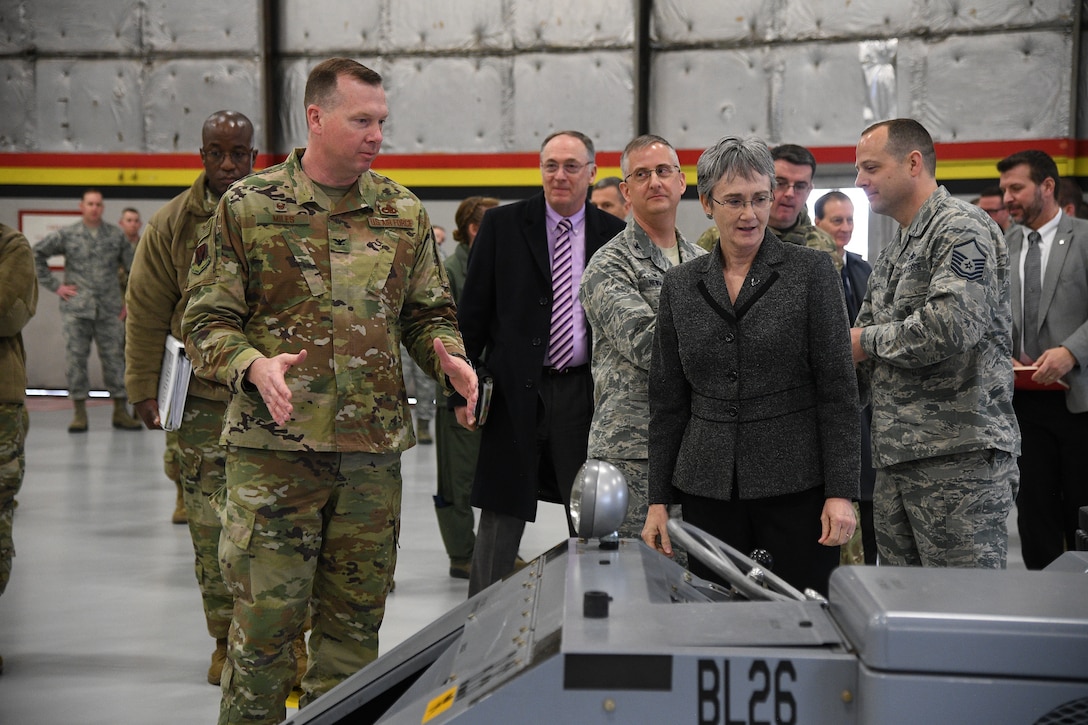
[(101, 621)]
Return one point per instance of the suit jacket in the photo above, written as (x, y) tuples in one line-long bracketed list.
[(506, 309), (1063, 306), (759, 395), (857, 270)]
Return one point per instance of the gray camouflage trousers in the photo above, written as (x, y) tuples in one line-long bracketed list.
[(201, 461), (947, 511), (302, 531), (109, 335), (14, 423)]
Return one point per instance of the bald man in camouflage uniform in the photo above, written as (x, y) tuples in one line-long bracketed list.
[(619, 291), (18, 302), (156, 301), (92, 305), (313, 273), (794, 168), (933, 344)]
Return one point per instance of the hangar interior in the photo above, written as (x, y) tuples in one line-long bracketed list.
[(112, 93)]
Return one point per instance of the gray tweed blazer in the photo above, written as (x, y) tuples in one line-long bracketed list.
[(758, 398)]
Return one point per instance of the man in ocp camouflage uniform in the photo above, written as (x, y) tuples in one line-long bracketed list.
[(619, 291), (18, 302), (794, 169), (91, 304), (156, 300), (933, 343), (312, 274)]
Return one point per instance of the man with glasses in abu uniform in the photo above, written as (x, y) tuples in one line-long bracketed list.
[(794, 168), (620, 292), (526, 263)]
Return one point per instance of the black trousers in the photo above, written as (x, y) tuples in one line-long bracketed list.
[(788, 527), (564, 413), (1053, 475)]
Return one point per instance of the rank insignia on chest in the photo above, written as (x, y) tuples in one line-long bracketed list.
[(339, 244)]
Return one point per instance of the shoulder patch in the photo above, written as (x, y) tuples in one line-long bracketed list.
[(203, 258), (968, 261)]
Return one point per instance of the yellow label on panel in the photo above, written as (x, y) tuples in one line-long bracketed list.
[(440, 704)]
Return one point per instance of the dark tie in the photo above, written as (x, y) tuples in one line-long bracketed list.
[(561, 336), (848, 292), (1033, 287)]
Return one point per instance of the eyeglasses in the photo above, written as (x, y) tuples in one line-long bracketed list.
[(641, 176), (798, 186), (760, 202), (237, 156), (571, 168)]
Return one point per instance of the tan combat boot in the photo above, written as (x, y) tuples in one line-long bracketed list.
[(121, 418), (79, 419), (180, 516), (219, 658)]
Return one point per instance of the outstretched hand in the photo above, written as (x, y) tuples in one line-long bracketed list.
[(463, 379), (268, 374)]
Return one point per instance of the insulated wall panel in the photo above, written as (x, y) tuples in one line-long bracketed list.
[(88, 105), (180, 94), (588, 92), (700, 96), (971, 88), (740, 21), (966, 15), (15, 35), (316, 26), (448, 105), (290, 111), (573, 23), (17, 121), (84, 26), (844, 18), (822, 95), (225, 27), (424, 25)]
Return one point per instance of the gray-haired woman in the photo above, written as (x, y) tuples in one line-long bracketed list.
[(753, 395)]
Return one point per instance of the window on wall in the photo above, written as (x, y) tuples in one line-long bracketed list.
[(859, 241)]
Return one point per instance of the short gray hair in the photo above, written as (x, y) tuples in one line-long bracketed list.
[(734, 157), (644, 141)]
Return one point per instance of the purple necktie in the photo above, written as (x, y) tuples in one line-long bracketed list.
[(561, 335)]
